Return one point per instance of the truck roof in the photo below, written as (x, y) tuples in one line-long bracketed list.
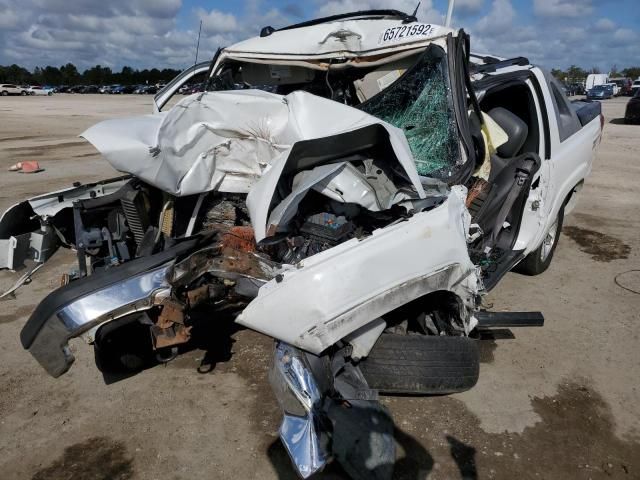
[(356, 34)]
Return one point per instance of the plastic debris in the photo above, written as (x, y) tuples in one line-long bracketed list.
[(30, 166)]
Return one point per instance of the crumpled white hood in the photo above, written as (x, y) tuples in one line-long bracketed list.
[(226, 140)]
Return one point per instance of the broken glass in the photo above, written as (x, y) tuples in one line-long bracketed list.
[(420, 103)]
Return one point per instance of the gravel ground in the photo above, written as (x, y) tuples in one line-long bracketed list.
[(557, 402)]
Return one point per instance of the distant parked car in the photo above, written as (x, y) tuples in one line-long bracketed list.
[(197, 88), (623, 84), (632, 112), (90, 89), (635, 87), (121, 89), (611, 88), (11, 89), (614, 88), (38, 90), (600, 92)]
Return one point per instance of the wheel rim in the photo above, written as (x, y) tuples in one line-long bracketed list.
[(549, 241)]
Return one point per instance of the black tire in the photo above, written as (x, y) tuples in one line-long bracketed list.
[(422, 365), (5, 93), (537, 261)]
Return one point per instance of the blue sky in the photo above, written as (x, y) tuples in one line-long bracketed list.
[(162, 33)]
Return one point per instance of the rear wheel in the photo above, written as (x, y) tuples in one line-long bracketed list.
[(422, 364), (5, 93), (539, 260)]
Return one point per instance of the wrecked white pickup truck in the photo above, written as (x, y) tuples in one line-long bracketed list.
[(351, 187)]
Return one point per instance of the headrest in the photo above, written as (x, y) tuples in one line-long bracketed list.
[(514, 127)]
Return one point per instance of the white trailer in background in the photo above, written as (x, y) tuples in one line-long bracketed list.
[(594, 79)]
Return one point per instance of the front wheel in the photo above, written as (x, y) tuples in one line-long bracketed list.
[(422, 364), (539, 260)]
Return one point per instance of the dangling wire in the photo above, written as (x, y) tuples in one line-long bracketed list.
[(326, 78)]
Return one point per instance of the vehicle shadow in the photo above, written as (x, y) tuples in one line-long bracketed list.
[(617, 121), (416, 463), (214, 336), (133, 353), (465, 457)]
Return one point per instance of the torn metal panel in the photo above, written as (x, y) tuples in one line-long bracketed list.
[(360, 280), (14, 251), (49, 204), (223, 262), (28, 230), (350, 145), (226, 141)]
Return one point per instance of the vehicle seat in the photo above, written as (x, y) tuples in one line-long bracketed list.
[(514, 127)]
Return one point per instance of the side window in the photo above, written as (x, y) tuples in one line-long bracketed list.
[(188, 79), (567, 120)]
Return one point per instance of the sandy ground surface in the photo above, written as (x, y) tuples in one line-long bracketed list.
[(556, 402)]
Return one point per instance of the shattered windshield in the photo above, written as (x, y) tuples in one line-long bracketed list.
[(420, 104)]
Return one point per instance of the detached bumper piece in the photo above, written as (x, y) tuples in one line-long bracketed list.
[(299, 397), (79, 306), (509, 319), (331, 413)]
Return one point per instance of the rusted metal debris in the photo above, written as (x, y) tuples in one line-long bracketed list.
[(172, 312), (167, 337), (239, 238), (170, 328), (205, 293)]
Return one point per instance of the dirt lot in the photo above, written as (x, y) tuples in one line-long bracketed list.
[(557, 402)]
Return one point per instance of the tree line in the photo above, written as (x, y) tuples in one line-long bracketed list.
[(69, 75), (575, 74), (98, 75)]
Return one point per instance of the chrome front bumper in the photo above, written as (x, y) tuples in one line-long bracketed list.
[(299, 397), (89, 302), (49, 345)]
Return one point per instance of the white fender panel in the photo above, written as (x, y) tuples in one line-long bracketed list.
[(335, 292)]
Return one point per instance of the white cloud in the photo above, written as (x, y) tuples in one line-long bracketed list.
[(604, 25), (562, 8), (499, 20), (625, 35), (579, 41), (216, 21), (148, 33), (466, 7)]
